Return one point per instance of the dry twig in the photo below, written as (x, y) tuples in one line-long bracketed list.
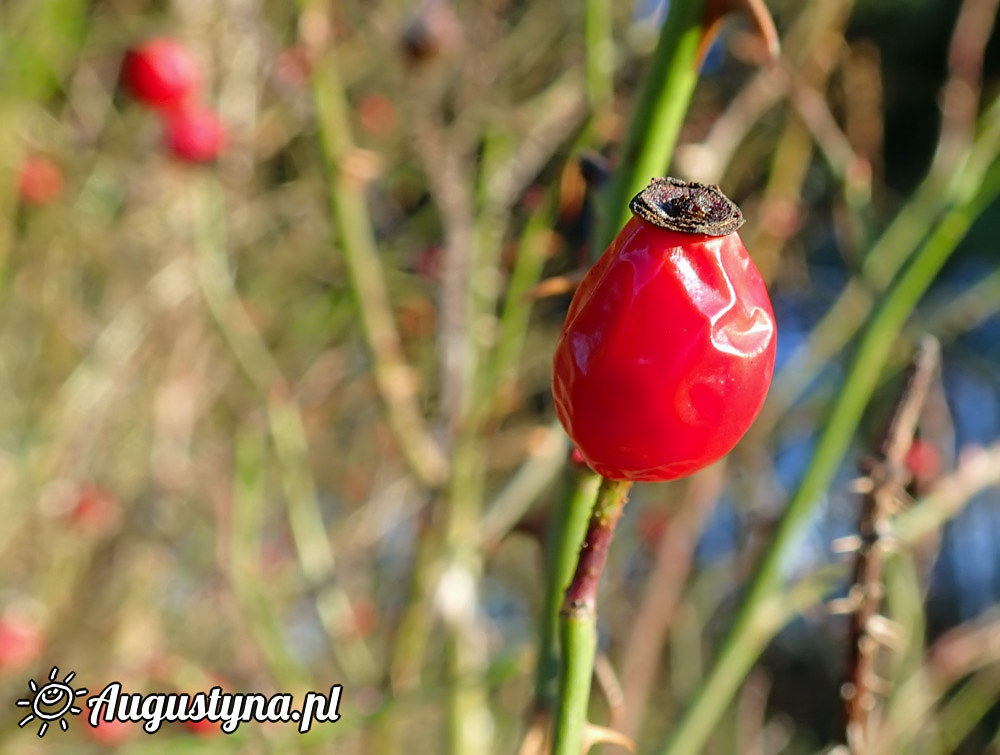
[(887, 477)]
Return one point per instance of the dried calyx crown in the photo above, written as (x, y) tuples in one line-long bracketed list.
[(687, 207)]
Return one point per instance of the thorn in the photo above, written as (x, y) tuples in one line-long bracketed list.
[(850, 603), (595, 734), (848, 691), (756, 13), (846, 544), (841, 606), (886, 632), (536, 739), (867, 645), (862, 485), (878, 685), (556, 286), (889, 543), (894, 502), (874, 591)]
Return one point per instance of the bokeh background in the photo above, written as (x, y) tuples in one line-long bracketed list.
[(283, 420)]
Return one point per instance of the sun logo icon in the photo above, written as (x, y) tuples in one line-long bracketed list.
[(51, 702)]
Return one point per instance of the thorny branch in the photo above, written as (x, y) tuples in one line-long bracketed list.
[(887, 477)]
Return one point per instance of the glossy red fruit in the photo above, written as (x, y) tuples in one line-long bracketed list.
[(162, 74), (195, 134), (668, 348), (39, 181)]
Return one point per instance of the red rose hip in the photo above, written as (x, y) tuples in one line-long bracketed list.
[(40, 180), (195, 134), (162, 74), (668, 348)]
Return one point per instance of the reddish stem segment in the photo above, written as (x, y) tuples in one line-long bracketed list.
[(578, 625), (581, 595)]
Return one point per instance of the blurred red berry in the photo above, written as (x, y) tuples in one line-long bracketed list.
[(428, 263), (20, 641), (110, 733), (923, 461), (40, 180), (292, 67), (364, 617), (195, 134), (204, 727), (377, 114), (652, 524), (162, 74), (95, 511)]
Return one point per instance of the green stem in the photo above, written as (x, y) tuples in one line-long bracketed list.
[(744, 640), (600, 53), (578, 631), (470, 721), (894, 248), (565, 534), (394, 377), (659, 112)]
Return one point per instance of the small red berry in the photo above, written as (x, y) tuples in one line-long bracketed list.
[(203, 727), (21, 641), (377, 114), (95, 511), (162, 74), (923, 461), (292, 67), (668, 348), (111, 733), (652, 525), (40, 180), (195, 134)]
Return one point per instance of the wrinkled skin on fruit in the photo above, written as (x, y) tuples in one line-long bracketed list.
[(666, 355)]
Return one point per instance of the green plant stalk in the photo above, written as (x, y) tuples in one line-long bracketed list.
[(578, 637), (578, 626), (290, 442), (742, 644), (904, 605), (890, 253), (312, 543), (968, 309), (562, 544), (848, 313), (246, 527), (969, 704), (525, 486), (600, 53), (659, 112), (40, 40), (516, 314), (470, 721), (394, 378)]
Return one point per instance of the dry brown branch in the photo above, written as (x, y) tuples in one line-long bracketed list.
[(888, 477), (960, 95)]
